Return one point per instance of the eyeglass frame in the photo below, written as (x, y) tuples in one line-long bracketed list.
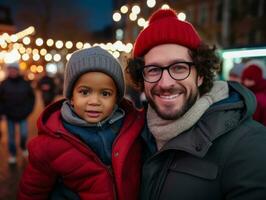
[(167, 68)]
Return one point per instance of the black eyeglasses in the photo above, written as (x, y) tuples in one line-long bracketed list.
[(177, 70)]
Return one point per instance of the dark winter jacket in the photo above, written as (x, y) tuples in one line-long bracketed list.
[(221, 157), (16, 98), (57, 155)]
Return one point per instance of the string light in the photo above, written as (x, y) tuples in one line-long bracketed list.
[(151, 3), (116, 16), (181, 16), (17, 47), (59, 44), (79, 45), (39, 41), (26, 40), (69, 44), (124, 9), (50, 42), (133, 16), (135, 9)]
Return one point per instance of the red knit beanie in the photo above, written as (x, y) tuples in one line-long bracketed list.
[(165, 28), (252, 72)]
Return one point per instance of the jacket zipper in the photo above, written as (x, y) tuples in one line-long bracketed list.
[(111, 172)]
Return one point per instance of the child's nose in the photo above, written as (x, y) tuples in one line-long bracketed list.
[(94, 99)]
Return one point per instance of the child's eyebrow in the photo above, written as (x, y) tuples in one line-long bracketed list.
[(88, 87), (83, 86), (107, 89)]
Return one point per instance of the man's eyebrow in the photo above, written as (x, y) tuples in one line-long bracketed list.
[(169, 63)]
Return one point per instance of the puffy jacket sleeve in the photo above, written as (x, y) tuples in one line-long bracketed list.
[(38, 178), (245, 170)]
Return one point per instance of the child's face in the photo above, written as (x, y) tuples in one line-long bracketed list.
[(94, 96)]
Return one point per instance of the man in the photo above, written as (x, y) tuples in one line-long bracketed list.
[(16, 103), (201, 142)]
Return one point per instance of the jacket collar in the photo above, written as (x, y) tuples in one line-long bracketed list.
[(69, 115)]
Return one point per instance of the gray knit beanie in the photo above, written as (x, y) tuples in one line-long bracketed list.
[(93, 59)]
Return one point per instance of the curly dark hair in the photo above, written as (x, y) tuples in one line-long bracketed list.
[(206, 61)]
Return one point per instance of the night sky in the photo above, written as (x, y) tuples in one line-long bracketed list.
[(91, 15)]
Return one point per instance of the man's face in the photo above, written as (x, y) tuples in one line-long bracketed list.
[(171, 98)]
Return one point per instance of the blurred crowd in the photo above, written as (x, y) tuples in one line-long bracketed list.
[(17, 100), (252, 75)]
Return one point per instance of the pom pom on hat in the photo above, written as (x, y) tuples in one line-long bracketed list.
[(161, 14), (165, 28)]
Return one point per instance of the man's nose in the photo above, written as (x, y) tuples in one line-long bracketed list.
[(166, 80)]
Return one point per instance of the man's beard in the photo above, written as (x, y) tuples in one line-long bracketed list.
[(175, 115)]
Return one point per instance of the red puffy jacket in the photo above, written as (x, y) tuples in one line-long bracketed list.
[(56, 153)]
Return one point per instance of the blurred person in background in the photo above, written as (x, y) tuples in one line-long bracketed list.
[(134, 95), (16, 102), (253, 78), (59, 80), (236, 72), (47, 86)]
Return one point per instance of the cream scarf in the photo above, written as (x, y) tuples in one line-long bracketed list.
[(165, 130)]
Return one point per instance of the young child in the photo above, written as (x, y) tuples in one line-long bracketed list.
[(89, 142)]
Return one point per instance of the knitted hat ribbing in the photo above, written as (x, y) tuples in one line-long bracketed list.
[(164, 27), (93, 59)]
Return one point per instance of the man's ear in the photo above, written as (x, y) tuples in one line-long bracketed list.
[(200, 80)]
